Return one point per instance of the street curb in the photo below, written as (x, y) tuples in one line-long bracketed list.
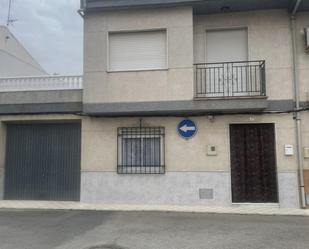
[(73, 206)]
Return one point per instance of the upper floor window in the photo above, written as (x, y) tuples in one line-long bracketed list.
[(133, 51)]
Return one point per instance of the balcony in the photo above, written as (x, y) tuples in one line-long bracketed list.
[(244, 79)]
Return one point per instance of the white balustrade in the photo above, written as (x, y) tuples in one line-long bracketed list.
[(41, 83)]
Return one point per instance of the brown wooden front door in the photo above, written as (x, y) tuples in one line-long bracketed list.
[(253, 163)]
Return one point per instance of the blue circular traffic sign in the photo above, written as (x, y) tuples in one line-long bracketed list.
[(187, 128)]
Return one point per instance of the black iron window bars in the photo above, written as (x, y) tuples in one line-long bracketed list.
[(141, 150)]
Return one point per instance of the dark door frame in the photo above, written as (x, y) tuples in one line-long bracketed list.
[(275, 156)]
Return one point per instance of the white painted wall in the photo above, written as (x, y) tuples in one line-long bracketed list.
[(14, 59)]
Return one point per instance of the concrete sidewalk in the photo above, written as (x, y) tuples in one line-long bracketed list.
[(235, 209)]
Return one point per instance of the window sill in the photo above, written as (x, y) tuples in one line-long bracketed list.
[(144, 170)]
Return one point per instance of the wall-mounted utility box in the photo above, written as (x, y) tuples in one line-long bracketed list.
[(307, 39), (288, 150), (211, 150), (306, 152)]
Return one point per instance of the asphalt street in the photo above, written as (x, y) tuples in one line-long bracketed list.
[(149, 230)]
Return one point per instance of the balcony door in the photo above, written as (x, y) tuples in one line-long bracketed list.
[(225, 78)]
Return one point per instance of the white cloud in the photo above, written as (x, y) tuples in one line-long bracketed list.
[(50, 30)]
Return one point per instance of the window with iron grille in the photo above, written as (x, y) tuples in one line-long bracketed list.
[(141, 150)]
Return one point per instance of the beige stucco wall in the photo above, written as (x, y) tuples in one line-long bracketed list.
[(99, 140), (99, 136), (176, 83), (302, 22), (269, 39)]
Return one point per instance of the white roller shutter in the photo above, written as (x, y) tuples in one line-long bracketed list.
[(137, 50), (227, 45)]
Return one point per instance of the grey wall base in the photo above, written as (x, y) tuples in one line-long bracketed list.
[(172, 188), (288, 190), (211, 188)]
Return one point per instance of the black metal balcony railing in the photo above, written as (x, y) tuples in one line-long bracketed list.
[(230, 79)]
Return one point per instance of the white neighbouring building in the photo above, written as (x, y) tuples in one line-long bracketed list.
[(15, 60), (238, 71)]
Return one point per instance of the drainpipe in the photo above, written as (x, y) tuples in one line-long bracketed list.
[(297, 108)]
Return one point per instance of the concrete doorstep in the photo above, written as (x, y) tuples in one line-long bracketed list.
[(246, 209)]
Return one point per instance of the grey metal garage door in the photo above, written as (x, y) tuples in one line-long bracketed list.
[(43, 162)]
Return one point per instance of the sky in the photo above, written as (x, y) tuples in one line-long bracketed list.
[(51, 30)]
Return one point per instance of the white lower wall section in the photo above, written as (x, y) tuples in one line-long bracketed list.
[(172, 188), (288, 189)]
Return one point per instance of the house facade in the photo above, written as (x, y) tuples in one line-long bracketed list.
[(182, 103)]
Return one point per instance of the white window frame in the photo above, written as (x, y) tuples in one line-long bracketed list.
[(109, 70)]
